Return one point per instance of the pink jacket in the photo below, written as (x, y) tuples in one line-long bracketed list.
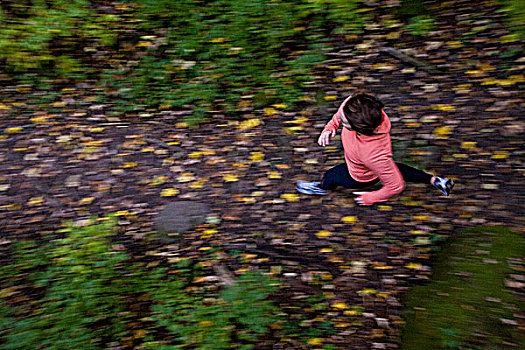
[(370, 157)]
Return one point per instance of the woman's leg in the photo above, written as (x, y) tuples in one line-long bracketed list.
[(339, 176), (411, 174)]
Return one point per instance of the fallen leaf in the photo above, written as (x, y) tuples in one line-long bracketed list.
[(250, 123), (169, 192), (413, 266), (230, 178), (340, 306), (290, 197), (87, 200), (350, 219), (323, 234)]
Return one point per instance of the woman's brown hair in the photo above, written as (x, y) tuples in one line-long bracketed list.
[(364, 113)]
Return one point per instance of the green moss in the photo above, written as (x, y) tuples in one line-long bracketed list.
[(464, 304)]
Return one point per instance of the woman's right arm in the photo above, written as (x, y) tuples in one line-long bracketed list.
[(329, 130), (332, 126)]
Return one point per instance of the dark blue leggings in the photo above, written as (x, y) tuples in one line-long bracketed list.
[(339, 176)]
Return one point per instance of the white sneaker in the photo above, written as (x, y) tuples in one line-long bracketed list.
[(309, 187), (444, 185)]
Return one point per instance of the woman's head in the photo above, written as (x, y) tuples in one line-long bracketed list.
[(364, 113)]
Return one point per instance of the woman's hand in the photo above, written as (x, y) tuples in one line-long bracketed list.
[(324, 138), (359, 199)]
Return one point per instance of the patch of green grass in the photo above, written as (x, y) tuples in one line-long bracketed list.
[(421, 25), (84, 291), (191, 54), (464, 304), (515, 10)]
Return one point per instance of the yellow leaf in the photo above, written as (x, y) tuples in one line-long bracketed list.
[(323, 234), (299, 120), (517, 78), (342, 325), (35, 200), (94, 143), (280, 105), (248, 124), (383, 267), (169, 192), (217, 40), (87, 200), (270, 111), (230, 178), (129, 165), (352, 313), (305, 98), (148, 149), (509, 38), (122, 213), (195, 155), (420, 217), (442, 107), (315, 341), (442, 132), (257, 157), (340, 306), (500, 155), (206, 323), (274, 175), (3, 106), (143, 43), (282, 166), (384, 207), (413, 266), (454, 44), (293, 129), (367, 291), (330, 98), (197, 184), (341, 78), (468, 144), (13, 130), (210, 231), (158, 180), (40, 120), (326, 250), (290, 197), (459, 155), (350, 219)]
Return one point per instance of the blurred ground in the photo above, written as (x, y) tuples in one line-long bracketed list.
[(460, 118)]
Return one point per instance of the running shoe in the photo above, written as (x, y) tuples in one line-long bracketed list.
[(309, 187), (444, 185)]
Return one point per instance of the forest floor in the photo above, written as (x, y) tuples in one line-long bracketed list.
[(458, 115)]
